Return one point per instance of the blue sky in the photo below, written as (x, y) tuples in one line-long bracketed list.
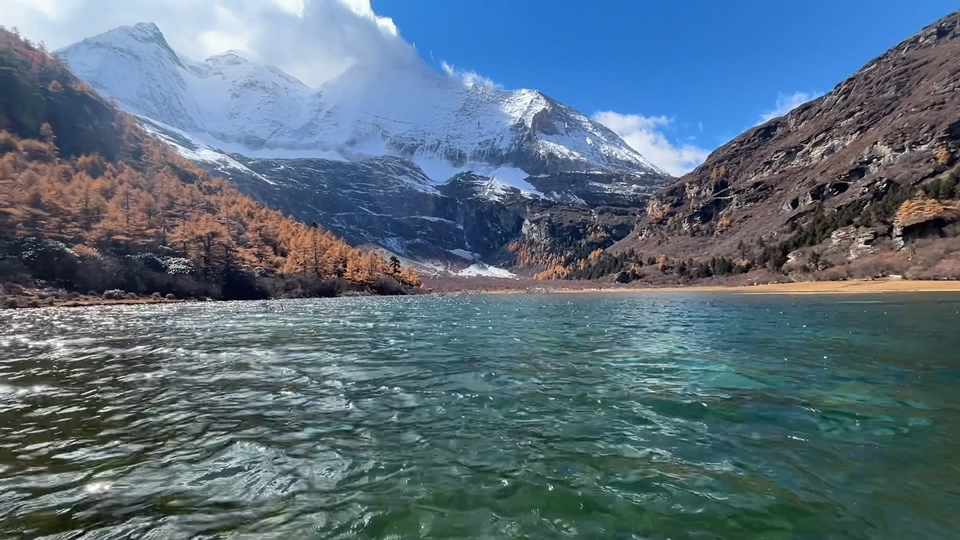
[(712, 69)]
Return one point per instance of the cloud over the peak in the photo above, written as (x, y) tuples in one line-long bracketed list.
[(470, 78), (788, 102), (644, 134), (313, 40)]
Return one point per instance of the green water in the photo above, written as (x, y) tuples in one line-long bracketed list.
[(583, 416)]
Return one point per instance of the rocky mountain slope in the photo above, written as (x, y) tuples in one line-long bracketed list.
[(822, 190), (401, 156)]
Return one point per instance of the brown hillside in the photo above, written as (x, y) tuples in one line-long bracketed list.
[(821, 187), (89, 201)]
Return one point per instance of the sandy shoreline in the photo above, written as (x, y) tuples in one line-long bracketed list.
[(851, 287), (799, 288)]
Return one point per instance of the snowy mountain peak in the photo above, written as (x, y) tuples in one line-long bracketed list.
[(147, 34), (146, 29), (231, 57), (444, 123)]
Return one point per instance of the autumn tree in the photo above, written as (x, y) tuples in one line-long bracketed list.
[(944, 157), (206, 241), (408, 276)]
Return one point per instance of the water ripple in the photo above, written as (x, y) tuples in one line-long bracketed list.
[(483, 417)]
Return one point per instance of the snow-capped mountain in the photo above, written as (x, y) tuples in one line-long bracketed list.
[(408, 110), (425, 164)]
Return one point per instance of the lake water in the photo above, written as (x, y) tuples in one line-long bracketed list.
[(589, 416)]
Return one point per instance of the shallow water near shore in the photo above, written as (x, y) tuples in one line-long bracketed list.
[(647, 416)]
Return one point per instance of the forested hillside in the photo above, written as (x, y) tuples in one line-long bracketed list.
[(90, 202)]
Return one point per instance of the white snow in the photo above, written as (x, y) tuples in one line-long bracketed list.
[(515, 178), (395, 245), (441, 172), (202, 152), (442, 123), (437, 170), (464, 254), (480, 269), (419, 184), (436, 219)]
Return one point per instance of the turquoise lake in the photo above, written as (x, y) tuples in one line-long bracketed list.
[(647, 416)]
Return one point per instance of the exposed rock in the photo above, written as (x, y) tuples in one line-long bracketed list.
[(834, 168), (856, 242), (389, 202)]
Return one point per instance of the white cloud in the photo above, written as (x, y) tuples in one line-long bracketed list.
[(644, 135), (470, 78), (313, 40), (787, 103)]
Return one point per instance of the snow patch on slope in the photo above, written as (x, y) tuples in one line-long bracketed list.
[(500, 178), (483, 270), (195, 150), (464, 254)]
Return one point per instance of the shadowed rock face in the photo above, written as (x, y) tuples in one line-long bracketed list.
[(388, 202), (888, 129)]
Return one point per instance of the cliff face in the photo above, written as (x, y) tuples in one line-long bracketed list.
[(829, 176)]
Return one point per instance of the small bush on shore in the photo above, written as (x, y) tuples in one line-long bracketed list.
[(386, 285), (113, 294), (15, 290)]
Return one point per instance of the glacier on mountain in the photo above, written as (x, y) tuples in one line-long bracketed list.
[(441, 122)]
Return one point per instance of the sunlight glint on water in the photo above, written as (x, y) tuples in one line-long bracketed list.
[(589, 416)]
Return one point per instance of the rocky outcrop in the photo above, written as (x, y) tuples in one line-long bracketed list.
[(854, 242), (388, 202)]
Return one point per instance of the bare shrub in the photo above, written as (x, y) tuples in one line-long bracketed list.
[(947, 269), (386, 285), (113, 294), (837, 273)]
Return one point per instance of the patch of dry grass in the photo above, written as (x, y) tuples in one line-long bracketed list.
[(916, 211)]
